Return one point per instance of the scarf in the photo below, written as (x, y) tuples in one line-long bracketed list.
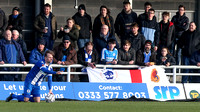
[(147, 57), (88, 57), (14, 16), (107, 22)]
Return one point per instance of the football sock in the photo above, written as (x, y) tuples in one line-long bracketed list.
[(18, 97)]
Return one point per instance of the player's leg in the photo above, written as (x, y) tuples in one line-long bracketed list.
[(27, 91), (36, 93)]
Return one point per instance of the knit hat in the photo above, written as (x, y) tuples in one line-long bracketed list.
[(66, 37), (148, 42), (82, 6), (16, 8), (41, 41), (126, 2)]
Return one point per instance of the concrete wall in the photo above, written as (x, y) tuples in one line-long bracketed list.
[(64, 9)]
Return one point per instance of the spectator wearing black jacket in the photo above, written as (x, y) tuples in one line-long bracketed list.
[(144, 16), (189, 41), (103, 18), (195, 60), (136, 38), (84, 20), (3, 23), (19, 40), (181, 23), (88, 57), (16, 21), (165, 58), (101, 40), (150, 29), (146, 57), (124, 21), (167, 33), (126, 54)]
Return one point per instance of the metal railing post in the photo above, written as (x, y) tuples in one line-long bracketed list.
[(174, 75), (68, 73)]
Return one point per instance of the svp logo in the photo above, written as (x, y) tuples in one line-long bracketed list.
[(109, 75), (154, 76), (166, 92), (194, 94)]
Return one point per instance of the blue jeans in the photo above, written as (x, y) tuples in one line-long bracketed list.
[(81, 42), (186, 61)]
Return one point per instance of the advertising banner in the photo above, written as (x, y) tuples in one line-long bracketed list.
[(60, 89), (192, 91), (166, 92), (153, 74), (104, 91)]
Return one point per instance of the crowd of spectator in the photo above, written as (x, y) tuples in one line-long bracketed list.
[(143, 40)]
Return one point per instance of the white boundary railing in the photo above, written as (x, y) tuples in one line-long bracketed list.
[(174, 68)]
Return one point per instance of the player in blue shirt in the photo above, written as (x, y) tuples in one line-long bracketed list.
[(109, 55), (34, 78)]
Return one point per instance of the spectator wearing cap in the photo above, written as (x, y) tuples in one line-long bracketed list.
[(104, 18), (147, 56), (124, 20), (19, 40), (126, 55), (16, 21), (136, 38), (101, 40), (3, 23), (84, 20), (71, 30), (65, 54), (10, 52), (38, 53), (88, 57), (46, 26)]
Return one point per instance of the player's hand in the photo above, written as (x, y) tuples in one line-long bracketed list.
[(91, 65), (2, 62), (58, 72)]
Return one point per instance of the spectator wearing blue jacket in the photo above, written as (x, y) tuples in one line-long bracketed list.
[(10, 52), (101, 41), (38, 53), (150, 29)]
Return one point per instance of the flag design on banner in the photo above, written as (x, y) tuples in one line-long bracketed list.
[(151, 74)]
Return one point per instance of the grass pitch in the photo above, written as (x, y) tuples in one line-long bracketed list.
[(102, 106)]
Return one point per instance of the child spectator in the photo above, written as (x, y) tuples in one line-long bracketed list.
[(109, 54)]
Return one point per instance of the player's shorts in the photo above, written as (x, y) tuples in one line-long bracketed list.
[(30, 89)]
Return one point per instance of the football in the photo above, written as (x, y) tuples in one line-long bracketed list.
[(50, 98)]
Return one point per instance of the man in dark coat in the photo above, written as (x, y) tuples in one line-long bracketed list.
[(46, 26), (100, 42), (181, 23), (88, 57), (16, 21), (83, 19), (136, 38), (124, 20), (10, 52), (146, 57), (188, 42)]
